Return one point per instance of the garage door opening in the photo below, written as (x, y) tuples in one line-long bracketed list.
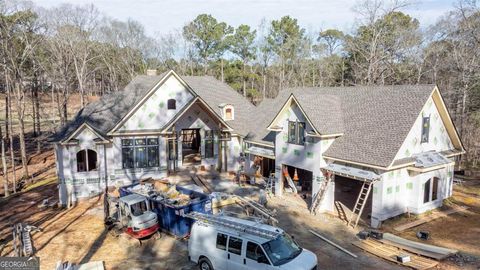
[(302, 180), (346, 194)]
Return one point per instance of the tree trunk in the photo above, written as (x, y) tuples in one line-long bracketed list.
[(221, 68), (36, 115), (10, 133), (205, 67), (264, 87), (7, 102), (4, 164), (33, 109), (82, 95), (20, 106), (244, 81)]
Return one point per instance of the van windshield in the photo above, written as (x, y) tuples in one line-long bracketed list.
[(139, 208), (282, 249)]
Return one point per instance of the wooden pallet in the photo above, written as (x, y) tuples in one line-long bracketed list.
[(390, 253)]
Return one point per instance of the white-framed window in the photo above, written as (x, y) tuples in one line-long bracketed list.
[(296, 132), (228, 113), (140, 153), (86, 160)]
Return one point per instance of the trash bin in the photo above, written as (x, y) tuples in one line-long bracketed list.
[(170, 217)]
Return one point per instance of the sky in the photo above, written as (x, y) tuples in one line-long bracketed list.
[(164, 16)]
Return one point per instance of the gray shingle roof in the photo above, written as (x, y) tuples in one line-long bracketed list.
[(214, 93), (376, 119), (324, 111), (105, 113)]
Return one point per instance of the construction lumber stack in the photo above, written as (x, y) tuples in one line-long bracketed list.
[(392, 254), (430, 251)]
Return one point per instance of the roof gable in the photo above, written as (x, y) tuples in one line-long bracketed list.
[(443, 136), (323, 112), (216, 93), (151, 112), (103, 114)]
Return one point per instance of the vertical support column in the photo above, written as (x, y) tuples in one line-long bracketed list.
[(278, 179), (219, 151)]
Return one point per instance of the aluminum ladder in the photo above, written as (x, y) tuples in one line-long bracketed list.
[(360, 204), (270, 186), (317, 200), (210, 219)]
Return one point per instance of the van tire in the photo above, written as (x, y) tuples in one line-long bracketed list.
[(205, 264)]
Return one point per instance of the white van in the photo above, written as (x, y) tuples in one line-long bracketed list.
[(215, 246)]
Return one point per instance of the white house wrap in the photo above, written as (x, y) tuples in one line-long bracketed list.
[(400, 137)]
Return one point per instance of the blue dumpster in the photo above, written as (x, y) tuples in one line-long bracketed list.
[(170, 216)]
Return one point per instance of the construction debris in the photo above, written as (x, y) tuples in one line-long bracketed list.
[(161, 192), (265, 213), (333, 244), (423, 235), (220, 199), (22, 240), (199, 181), (392, 253), (434, 252), (429, 218)]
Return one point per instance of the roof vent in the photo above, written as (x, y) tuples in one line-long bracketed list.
[(151, 72)]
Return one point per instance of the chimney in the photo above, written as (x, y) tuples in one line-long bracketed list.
[(151, 72)]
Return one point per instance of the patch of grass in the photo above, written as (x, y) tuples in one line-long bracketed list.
[(44, 182)]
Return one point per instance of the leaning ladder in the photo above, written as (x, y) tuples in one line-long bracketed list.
[(320, 195), (270, 187), (228, 223), (360, 204)]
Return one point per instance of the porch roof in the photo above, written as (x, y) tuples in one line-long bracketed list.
[(260, 151), (351, 172)]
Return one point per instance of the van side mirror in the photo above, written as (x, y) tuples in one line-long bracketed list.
[(262, 259)]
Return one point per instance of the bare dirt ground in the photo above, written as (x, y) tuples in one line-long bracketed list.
[(78, 235), (459, 231)]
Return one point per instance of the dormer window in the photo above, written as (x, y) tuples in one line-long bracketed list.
[(228, 113), (172, 104)]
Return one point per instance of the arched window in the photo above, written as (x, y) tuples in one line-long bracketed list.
[(86, 160), (228, 113), (171, 104)]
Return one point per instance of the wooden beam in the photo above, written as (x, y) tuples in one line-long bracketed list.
[(333, 244)]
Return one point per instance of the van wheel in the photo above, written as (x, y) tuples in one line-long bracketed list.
[(205, 264)]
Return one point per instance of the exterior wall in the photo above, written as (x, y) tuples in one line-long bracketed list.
[(79, 184), (402, 191), (307, 156), (234, 148), (439, 140), (86, 184), (153, 114)]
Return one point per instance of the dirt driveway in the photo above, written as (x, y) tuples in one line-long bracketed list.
[(77, 235)]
